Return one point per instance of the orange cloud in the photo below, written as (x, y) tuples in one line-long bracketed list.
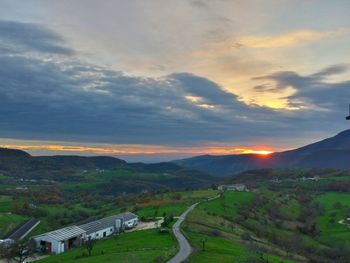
[(289, 39), (134, 149)]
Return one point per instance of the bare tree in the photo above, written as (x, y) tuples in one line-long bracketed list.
[(89, 245), (18, 251)]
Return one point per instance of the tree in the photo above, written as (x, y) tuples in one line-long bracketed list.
[(19, 251), (203, 241), (89, 245)]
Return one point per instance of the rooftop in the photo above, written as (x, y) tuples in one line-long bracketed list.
[(100, 224), (65, 233)]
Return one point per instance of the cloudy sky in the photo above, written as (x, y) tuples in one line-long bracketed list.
[(158, 79)]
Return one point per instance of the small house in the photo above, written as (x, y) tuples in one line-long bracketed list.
[(130, 220)]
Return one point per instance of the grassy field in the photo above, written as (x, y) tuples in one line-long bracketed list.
[(8, 220), (211, 221), (174, 203), (96, 180), (139, 246), (227, 204), (336, 207)]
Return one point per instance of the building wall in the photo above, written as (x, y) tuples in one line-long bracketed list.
[(131, 223), (99, 234), (56, 246)]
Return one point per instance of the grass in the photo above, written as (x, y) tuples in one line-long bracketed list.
[(227, 204), (215, 248), (174, 203), (5, 203), (9, 221), (212, 221), (331, 230), (139, 246)]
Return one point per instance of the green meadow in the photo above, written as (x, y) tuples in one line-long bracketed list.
[(139, 246)]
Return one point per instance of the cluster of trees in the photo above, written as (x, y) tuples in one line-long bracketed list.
[(27, 209), (167, 220), (262, 212)]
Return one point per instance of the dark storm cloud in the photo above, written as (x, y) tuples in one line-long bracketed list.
[(63, 99), (32, 36)]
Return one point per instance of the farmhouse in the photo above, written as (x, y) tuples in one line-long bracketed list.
[(233, 187), (60, 240)]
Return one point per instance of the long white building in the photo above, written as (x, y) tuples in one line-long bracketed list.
[(63, 239)]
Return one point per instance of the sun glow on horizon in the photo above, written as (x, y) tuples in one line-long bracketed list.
[(37, 147), (251, 151)]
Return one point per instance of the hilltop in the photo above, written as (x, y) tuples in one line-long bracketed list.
[(333, 152)]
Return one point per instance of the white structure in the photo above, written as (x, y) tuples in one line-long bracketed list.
[(60, 240), (233, 187), (103, 228), (130, 220), (63, 239)]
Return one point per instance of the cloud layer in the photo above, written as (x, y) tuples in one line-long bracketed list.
[(47, 92)]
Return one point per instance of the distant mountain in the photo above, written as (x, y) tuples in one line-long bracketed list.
[(333, 152), (19, 164)]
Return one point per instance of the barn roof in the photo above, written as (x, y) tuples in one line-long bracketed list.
[(100, 224), (65, 233), (22, 230), (127, 216)]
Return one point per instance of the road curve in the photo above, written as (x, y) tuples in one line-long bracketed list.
[(185, 247)]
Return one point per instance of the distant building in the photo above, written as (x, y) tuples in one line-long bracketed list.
[(233, 187), (348, 217), (314, 178)]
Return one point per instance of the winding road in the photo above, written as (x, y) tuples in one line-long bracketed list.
[(185, 247)]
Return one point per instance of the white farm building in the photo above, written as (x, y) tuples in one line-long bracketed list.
[(233, 187), (63, 239), (102, 228), (60, 240), (130, 220)]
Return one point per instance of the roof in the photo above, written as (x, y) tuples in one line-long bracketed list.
[(236, 185), (127, 216), (65, 233), (21, 230), (100, 224), (88, 220)]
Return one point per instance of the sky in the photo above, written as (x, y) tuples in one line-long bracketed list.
[(151, 80)]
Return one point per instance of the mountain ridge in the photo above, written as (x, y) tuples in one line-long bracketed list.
[(333, 152)]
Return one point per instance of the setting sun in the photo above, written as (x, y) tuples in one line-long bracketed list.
[(262, 152)]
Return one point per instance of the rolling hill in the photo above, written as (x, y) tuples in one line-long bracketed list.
[(333, 152), (100, 173)]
